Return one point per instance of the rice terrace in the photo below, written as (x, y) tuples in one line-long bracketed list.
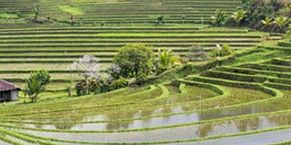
[(197, 72)]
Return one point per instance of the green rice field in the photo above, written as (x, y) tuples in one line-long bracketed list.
[(240, 99)]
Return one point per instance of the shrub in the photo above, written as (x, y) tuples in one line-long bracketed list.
[(94, 86), (219, 18), (88, 66), (82, 88), (70, 90), (285, 11), (120, 83), (196, 53), (184, 18), (160, 20), (114, 71), (102, 84), (225, 50)]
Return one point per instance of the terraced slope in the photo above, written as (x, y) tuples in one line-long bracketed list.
[(149, 115), (23, 50), (223, 105), (274, 74), (126, 11)]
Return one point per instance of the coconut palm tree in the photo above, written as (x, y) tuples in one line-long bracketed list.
[(36, 84), (268, 21), (281, 21), (219, 18), (167, 60), (238, 16)]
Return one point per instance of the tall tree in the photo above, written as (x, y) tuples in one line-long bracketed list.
[(135, 60)]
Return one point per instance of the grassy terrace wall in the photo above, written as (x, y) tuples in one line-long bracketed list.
[(54, 47), (231, 100), (23, 50), (126, 11), (165, 97), (241, 97)]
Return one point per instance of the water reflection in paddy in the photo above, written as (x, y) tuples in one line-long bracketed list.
[(135, 120), (117, 125), (263, 138), (135, 123), (186, 132)]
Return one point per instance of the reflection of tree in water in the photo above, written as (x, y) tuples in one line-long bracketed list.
[(21, 124), (187, 107), (203, 130), (282, 119), (38, 125), (247, 124), (221, 113), (210, 114), (147, 112), (167, 109), (67, 121), (115, 125)]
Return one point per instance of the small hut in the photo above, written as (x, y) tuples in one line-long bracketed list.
[(8, 91)]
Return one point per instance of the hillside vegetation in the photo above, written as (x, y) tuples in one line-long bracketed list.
[(226, 83)]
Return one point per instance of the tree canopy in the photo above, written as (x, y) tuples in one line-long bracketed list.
[(135, 60)]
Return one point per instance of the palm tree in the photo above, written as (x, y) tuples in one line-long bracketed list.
[(281, 21), (219, 18), (167, 60), (36, 84), (267, 21), (238, 16)]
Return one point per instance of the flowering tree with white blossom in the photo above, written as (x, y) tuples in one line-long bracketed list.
[(88, 66)]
